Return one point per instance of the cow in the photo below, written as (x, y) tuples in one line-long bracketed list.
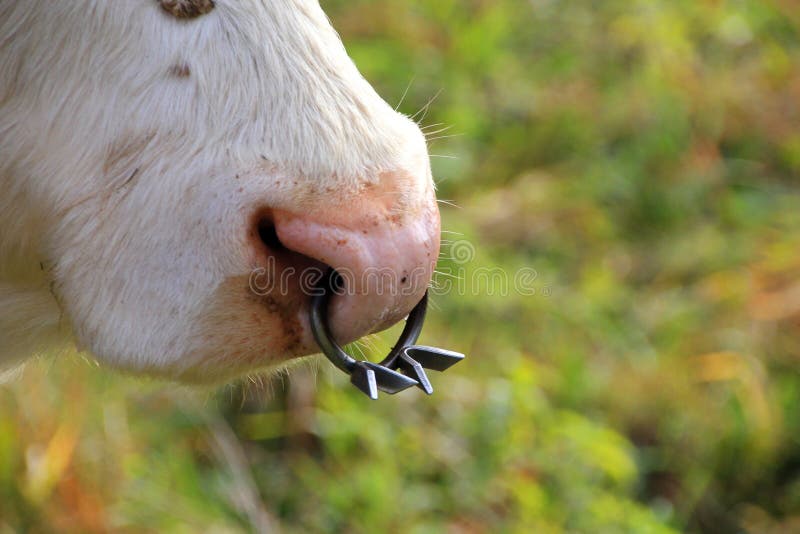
[(159, 156)]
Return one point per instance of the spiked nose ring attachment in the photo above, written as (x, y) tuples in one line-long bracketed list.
[(402, 368)]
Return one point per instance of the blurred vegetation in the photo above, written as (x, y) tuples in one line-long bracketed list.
[(644, 159)]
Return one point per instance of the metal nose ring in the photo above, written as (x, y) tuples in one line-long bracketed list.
[(405, 364)]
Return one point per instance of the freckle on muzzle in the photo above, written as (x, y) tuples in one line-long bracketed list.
[(402, 368)]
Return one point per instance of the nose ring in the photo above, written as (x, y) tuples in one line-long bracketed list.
[(405, 364)]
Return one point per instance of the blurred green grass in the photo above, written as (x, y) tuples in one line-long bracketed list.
[(642, 159)]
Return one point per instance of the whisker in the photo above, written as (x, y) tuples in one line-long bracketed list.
[(425, 114), (429, 126), (450, 275), (432, 139), (434, 132), (405, 93), (437, 285), (425, 108), (442, 156), (369, 342), (356, 346), (432, 304)]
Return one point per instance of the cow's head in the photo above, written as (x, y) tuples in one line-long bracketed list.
[(175, 177)]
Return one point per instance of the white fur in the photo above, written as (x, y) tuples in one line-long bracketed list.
[(124, 185)]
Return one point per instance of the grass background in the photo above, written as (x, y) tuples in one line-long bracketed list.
[(640, 161)]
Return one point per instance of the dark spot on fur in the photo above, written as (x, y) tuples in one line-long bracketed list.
[(186, 9), (180, 70)]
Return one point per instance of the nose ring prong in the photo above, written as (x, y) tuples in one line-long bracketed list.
[(405, 364)]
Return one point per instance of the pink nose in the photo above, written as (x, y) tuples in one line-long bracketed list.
[(384, 251)]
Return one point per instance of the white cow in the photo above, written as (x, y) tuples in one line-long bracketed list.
[(154, 155)]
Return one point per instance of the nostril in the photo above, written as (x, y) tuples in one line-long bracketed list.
[(285, 258), (269, 236)]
